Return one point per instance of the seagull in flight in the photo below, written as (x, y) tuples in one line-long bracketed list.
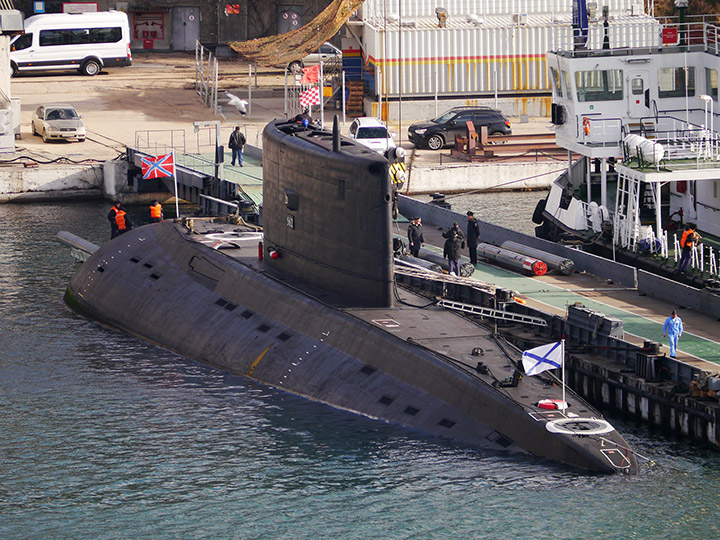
[(239, 104)]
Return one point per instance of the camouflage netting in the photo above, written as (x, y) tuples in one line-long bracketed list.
[(284, 48)]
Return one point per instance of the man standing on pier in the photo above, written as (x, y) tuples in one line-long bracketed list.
[(236, 144), (673, 329), (473, 233)]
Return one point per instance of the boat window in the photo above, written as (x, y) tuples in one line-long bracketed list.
[(599, 85), (673, 82), (566, 83), (711, 83), (638, 86), (555, 78)]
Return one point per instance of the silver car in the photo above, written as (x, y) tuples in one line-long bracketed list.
[(57, 121), (328, 53)]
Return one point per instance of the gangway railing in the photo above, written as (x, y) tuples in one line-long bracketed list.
[(492, 313), (161, 141)]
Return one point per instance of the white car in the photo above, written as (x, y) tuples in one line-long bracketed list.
[(372, 133), (57, 121), (328, 53)]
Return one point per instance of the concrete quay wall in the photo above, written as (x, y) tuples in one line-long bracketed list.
[(459, 176), (656, 403), (61, 181)]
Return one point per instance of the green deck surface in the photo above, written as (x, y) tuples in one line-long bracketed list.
[(637, 325), (248, 177)]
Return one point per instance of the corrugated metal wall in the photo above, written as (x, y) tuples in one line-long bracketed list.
[(374, 11), (464, 59)]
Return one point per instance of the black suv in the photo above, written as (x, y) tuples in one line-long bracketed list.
[(441, 131)]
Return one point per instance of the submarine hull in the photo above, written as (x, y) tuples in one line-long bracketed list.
[(286, 321)]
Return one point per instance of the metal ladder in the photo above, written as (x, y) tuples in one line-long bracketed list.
[(493, 313), (444, 278)]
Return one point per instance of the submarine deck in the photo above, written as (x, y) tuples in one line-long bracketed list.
[(453, 339)]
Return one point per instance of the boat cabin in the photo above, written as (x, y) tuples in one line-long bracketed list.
[(643, 118)]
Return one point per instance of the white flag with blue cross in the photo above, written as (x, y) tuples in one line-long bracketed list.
[(543, 358)]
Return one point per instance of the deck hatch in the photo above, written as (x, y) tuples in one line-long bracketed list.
[(220, 302), (412, 411), (385, 400), (147, 265), (263, 327), (134, 260), (247, 314), (367, 370), (229, 306), (101, 269), (154, 276), (284, 336), (446, 423)]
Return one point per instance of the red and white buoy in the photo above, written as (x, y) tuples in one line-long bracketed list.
[(553, 404)]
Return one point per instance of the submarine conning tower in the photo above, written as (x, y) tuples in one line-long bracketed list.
[(327, 213)]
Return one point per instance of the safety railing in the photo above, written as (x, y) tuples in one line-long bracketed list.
[(160, 142)]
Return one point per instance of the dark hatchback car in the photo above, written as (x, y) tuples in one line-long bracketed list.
[(434, 134)]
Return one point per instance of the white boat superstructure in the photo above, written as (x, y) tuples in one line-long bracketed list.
[(643, 120)]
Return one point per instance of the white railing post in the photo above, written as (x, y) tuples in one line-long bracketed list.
[(676, 247)]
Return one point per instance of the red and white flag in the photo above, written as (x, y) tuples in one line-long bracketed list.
[(310, 75), (158, 167), (310, 97)]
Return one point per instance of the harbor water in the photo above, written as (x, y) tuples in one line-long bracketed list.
[(103, 436)]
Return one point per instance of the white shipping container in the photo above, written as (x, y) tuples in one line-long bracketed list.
[(375, 11), (494, 57)]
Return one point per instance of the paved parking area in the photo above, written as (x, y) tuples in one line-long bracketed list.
[(157, 94)]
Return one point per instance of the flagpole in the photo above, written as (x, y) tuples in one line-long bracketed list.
[(562, 346), (177, 204)]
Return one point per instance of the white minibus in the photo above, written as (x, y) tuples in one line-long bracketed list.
[(87, 42)]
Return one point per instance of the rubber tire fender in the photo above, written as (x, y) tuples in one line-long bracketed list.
[(537, 216)]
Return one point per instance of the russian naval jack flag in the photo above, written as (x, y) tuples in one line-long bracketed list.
[(542, 358), (158, 167), (161, 167)]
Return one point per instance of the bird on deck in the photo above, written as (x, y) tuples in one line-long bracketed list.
[(239, 104)]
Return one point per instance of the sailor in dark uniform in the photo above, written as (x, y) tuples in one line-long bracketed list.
[(415, 236)]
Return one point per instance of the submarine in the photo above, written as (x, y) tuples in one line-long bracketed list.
[(313, 304)]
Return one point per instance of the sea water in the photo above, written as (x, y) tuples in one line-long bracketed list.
[(103, 436)]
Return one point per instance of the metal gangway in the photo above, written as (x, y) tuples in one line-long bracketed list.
[(492, 313)]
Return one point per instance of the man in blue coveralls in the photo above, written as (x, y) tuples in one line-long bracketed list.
[(673, 329)]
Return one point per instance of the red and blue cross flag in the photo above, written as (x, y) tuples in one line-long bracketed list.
[(158, 167)]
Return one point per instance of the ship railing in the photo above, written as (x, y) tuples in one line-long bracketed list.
[(600, 131), (682, 140)]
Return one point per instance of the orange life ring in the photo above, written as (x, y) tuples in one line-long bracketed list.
[(586, 125)]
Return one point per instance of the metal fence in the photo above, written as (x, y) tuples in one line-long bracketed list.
[(206, 76)]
